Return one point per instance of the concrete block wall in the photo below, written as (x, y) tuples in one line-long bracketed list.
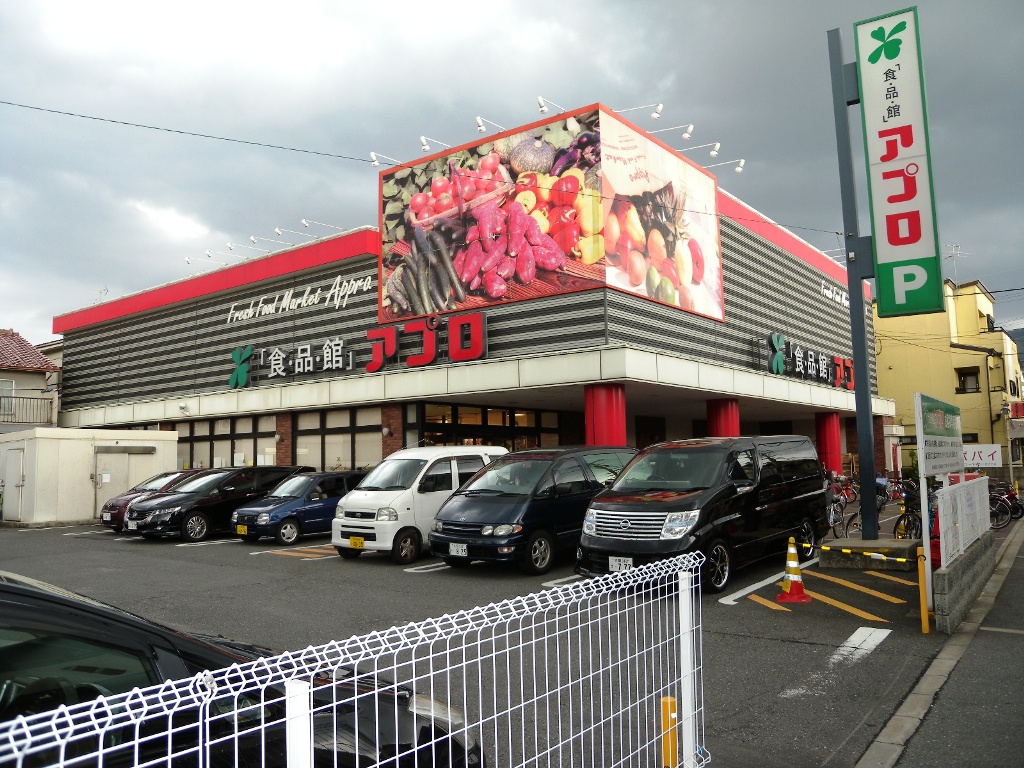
[(955, 588)]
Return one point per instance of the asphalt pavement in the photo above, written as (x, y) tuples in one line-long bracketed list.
[(966, 709)]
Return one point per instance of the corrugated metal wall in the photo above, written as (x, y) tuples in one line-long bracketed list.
[(187, 349)]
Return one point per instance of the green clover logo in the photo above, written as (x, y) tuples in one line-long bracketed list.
[(778, 344), (240, 377), (890, 45)]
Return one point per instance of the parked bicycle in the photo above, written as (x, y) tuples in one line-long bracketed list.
[(908, 524), (836, 500), (1008, 493)]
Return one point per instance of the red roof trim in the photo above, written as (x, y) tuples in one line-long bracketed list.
[(361, 243)]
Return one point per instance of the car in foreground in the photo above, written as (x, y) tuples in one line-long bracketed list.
[(62, 649), (203, 504), (736, 500), (525, 506), (114, 509), (303, 504)]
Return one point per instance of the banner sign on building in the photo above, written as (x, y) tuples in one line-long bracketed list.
[(571, 203), (778, 354), (983, 455), (908, 263), (940, 442)]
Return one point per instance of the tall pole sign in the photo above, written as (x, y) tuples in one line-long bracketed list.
[(908, 271)]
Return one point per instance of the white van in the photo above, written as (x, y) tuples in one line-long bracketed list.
[(393, 508)]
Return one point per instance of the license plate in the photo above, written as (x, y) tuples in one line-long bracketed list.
[(459, 550), (355, 542), (620, 563), (106, 517), (131, 525), (241, 530)]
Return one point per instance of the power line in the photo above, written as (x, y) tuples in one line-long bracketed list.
[(182, 133)]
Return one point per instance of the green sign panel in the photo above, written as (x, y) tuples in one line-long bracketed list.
[(939, 440), (908, 264)]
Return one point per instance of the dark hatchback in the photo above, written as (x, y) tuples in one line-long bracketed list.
[(303, 504), (733, 499), (114, 509), (62, 649), (203, 504), (524, 507)]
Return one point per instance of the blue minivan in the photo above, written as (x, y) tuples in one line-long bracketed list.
[(304, 503)]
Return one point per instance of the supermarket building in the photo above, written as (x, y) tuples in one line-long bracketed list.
[(298, 356)]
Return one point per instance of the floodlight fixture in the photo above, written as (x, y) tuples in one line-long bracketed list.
[(542, 102), (375, 162), (655, 115), (715, 146), (481, 128), (426, 147), (687, 130), (738, 168)]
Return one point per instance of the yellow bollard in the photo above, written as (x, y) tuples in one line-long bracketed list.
[(669, 747), (923, 590)]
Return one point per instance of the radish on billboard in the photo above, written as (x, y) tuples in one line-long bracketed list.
[(573, 203)]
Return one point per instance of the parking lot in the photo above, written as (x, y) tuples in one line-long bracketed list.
[(841, 663)]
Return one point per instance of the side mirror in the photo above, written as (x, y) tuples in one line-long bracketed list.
[(427, 484), (743, 486), (563, 489), (609, 482)]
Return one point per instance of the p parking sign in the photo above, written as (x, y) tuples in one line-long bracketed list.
[(908, 266)]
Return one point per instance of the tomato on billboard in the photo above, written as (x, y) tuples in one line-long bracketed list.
[(572, 203)]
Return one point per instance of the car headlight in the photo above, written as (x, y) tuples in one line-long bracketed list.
[(339, 511), (506, 530), (444, 716), (590, 523), (438, 526), (387, 514), (678, 524), (163, 514), (263, 518), (234, 517)]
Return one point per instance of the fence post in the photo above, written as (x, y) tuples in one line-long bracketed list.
[(687, 698), (922, 576), (298, 723)]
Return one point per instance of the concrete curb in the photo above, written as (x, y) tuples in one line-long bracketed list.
[(888, 745)]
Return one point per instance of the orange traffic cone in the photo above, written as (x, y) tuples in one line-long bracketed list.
[(793, 583)]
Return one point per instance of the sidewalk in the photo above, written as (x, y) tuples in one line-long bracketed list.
[(966, 709)]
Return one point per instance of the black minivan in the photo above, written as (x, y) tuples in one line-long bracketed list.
[(204, 503), (734, 499), (525, 506)]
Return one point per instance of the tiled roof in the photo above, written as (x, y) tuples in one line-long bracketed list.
[(18, 354)]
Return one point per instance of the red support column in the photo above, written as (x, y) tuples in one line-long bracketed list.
[(826, 427), (724, 417), (604, 411)]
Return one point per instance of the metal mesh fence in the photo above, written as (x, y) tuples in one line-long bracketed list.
[(602, 672)]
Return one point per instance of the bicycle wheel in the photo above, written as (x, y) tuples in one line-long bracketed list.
[(852, 525), (908, 526), (999, 512), (835, 519)]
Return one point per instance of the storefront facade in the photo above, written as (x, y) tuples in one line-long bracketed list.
[(288, 358)]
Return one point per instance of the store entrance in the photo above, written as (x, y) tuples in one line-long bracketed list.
[(513, 428)]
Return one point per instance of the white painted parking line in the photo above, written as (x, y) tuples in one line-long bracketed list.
[(129, 538), (85, 533), (858, 645), (731, 599), (209, 543), (556, 582), (427, 568), (323, 557), (47, 528)]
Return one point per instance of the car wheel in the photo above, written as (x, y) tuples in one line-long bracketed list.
[(288, 531), (349, 554), (406, 547), (806, 534), (195, 527), (540, 553), (457, 562), (717, 567)]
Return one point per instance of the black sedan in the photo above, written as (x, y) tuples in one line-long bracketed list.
[(59, 648)]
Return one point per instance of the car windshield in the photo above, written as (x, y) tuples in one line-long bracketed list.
[(509, 474), (293, 487), (672, 469), (157, 482), (201, 483), (392, 475)]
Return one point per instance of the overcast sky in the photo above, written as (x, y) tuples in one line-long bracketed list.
[(92, 210)]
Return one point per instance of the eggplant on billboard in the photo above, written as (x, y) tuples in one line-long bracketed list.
[(576, 202)]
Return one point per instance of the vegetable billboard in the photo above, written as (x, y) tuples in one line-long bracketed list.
[(576, 202)]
